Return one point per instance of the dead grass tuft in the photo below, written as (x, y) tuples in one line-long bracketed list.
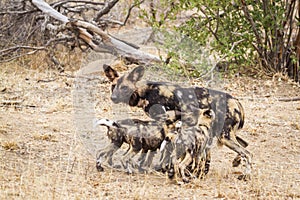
[(3, 131), (295, 125), (10, 145), (47, 137)]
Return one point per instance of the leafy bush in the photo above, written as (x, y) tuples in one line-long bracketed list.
[(247, 34)]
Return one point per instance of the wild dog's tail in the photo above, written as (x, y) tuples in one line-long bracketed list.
[(104, 122), (170, 137), (241, 124), (241, 113)]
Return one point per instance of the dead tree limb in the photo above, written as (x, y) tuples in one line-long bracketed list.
[(97, 39), (71, 23), (108, 6)]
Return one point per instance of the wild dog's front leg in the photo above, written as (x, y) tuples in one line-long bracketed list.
[(106, 154), (165, 159), (141, 160), (142, 157), (126, 161), (199, 170), (181, 166), (149, 159)]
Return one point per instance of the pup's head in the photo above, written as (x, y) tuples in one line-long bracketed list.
[(172, 132), (198, 117), (206, 117), (123, 88)]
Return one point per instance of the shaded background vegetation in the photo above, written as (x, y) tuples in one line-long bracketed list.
[(259, 36)]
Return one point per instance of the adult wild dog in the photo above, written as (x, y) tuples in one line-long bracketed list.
[(229, 113)]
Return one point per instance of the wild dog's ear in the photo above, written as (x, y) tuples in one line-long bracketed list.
[(110, 73), (136, 74)]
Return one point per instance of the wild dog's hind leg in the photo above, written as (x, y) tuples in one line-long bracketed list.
[(245, 155), (238, 159), (207, 160)]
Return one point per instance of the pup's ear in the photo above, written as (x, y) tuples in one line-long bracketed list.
[(110, 73), (136, 74)]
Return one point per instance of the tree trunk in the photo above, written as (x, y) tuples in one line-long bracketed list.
[(296, 44)]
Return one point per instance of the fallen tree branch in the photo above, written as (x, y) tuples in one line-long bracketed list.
[(111, 44), (47, 9), (97, 39)]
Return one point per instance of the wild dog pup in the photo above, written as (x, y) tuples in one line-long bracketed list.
[(189, 155), (140, 135), (228, 110), (167, 147)]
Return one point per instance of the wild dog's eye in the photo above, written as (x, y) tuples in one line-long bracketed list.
[(125, 88)]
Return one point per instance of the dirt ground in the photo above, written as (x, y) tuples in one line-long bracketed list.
[(48, 145)]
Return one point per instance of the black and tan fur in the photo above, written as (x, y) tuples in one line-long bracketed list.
[(228, 110), (190, 143), (141, 136)]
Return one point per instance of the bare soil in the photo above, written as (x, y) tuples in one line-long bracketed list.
[(47, 145)]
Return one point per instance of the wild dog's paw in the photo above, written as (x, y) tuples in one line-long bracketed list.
[(99, 167), (244, 177), (171, 173)]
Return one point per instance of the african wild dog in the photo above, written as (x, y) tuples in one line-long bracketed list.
[(140, 135), (228, 110), (190, 144)]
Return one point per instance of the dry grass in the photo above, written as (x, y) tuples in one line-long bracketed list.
[(10, 145), (43, 156)]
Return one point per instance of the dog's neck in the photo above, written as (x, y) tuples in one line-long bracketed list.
[(137, 100), (134, 99)]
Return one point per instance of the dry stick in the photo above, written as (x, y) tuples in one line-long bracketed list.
[(107, 7), (21, 55), (127, 15), (21, 47), (60, 3)]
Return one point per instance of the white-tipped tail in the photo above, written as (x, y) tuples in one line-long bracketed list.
[(163, 145), (103, 122), (178, 124)]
